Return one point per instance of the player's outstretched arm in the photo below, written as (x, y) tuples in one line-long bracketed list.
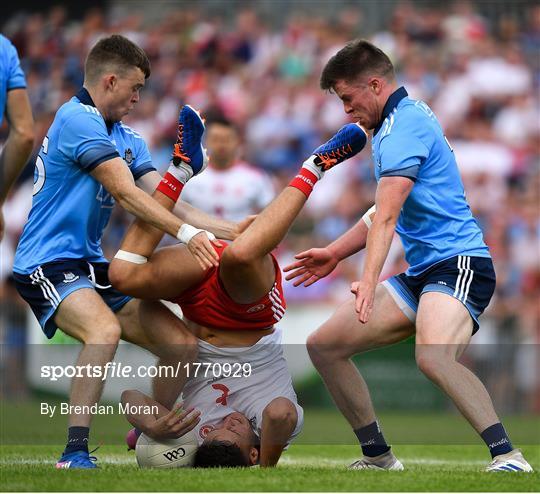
[(314, 264), (166, 424), (391, 194), (150, 212), (19, 143)]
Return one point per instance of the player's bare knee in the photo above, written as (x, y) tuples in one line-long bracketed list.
[(120, 275), (281, 411), (321, 351), (314, 348), (431, 364), (237, 254), (111, 334), (189, 349), (105, 334), (183, 348)]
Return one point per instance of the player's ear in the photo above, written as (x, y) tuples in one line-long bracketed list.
[(253, 456), (375, 85), (110, 81)]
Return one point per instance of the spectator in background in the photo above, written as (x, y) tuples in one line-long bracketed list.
[(248, 68), (229, 188)]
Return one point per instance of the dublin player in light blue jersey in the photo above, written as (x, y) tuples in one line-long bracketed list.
[(15, 106), (88, 160), (450, 279)]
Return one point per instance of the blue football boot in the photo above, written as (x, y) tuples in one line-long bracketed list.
[(348, 141), (188, 152), (77, 459)]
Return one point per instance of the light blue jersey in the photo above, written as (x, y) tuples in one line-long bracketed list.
[(70, 208), (436, 222), (11, 74)]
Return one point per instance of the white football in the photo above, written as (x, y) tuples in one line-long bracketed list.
[(170, 453)]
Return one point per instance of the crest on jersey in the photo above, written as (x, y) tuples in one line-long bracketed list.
[(69, 277), (128, 156), (204, 430)]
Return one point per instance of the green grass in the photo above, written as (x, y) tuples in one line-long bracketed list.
[(303, 468), (21, 423), (440, 452)]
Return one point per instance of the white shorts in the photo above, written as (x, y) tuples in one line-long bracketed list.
[(216, 396)]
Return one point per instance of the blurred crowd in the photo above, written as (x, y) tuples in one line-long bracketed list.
[(480, 76)]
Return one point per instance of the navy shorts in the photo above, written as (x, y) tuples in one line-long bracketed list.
[(471, 280), (52, 282)]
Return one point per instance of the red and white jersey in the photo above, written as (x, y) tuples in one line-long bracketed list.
[(216, 396), (230, 194), (207, 303)]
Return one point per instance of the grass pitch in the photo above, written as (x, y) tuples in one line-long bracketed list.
[(302, 468), (440, 452)]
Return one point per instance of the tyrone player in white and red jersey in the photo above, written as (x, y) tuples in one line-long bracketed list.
[(229, 188), (237, 300), (227, 408)]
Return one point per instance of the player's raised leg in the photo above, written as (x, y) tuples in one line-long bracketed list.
[(130, 271), (331, 348), (444, 329), (149, 323), (157, 277), (246, 270)]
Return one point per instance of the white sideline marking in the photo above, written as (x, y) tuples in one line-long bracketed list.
[(406, 461), (120, 460)]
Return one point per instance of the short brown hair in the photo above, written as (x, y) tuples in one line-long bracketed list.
[(356, 58), (115, 51)]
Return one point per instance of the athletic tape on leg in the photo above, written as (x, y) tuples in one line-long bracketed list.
[(124, 255)]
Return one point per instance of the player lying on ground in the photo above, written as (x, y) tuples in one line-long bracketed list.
[(232, 310), (239, 302), (232, 442), (450, 280), (241, 420), (89, 159)]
